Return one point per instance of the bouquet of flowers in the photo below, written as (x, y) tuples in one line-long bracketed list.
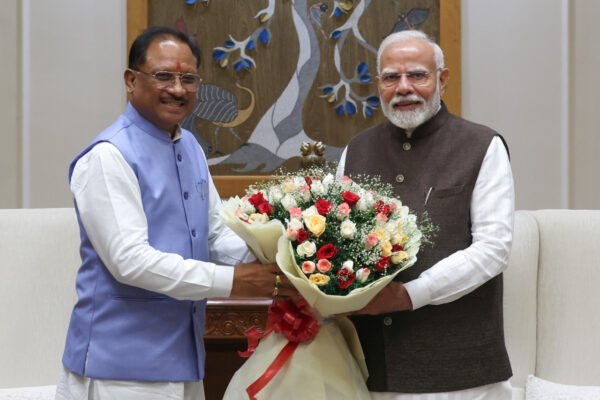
[(339, 242)]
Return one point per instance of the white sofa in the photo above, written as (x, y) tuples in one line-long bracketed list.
[(552, 290)]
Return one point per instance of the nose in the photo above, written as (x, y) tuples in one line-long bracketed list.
[(176, 88), (403, 87)]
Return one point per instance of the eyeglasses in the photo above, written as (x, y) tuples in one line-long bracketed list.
[(417, 78), (166, 79)]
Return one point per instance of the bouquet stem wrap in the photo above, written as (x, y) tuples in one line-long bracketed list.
[(295, 323)]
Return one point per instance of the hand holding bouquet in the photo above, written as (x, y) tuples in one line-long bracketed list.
[(339, 243)]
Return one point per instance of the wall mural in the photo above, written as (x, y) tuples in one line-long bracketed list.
[(278, 73)]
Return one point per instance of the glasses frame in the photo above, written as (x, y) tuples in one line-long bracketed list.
[(174, 75), (406, 74)]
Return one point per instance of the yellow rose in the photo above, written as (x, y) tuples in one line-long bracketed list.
[(399, 239), (399, 228), (319, 279), (259, 218), (381, 234), (399, 257), (288, 186), (316, 224), (386, 248)]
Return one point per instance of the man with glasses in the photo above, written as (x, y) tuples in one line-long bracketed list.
[(436, 332), (152, 247)]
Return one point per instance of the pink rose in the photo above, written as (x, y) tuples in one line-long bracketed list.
[(343, 211), (241, 215), (295, 212), (308, 267), (323, 265), (372, 240), (362, 274), (382, 218), (292, 234), (345, 182)]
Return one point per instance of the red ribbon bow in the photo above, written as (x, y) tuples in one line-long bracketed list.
[(297, 326)]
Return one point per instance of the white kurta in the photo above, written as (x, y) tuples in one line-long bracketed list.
[(109, 202), (492, 214)]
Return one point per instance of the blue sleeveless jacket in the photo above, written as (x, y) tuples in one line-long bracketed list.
[(123, 332)]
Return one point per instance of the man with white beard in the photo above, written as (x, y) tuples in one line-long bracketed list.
[(436, 332)]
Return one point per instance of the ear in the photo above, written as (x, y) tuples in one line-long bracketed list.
[(130, 80), (444, 76)]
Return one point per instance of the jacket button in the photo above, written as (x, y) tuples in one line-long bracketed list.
[(387, 321), (406, 146), (193, 232), (399, 178), (179, 157), (186, 195)]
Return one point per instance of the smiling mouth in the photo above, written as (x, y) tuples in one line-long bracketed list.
[(173, 102), (401, 105)]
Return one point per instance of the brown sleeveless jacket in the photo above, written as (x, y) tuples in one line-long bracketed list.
[(436, 348)]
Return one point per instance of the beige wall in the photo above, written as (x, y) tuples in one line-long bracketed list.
[(512, 74), (528, 72), (585, 87), (72, 87), (9, 100)]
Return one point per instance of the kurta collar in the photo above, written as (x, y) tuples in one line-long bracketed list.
[(138, 120)]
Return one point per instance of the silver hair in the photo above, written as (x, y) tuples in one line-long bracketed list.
[(402, 36)]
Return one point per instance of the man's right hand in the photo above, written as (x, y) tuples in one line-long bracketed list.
[(258, 280)]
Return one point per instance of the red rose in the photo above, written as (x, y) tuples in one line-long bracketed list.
[(328, 251), (344, 278), (323, 206), (383, 263), (265, 208), (256, 199), (302, 235), (308, 180), (350, 198), (396, 248), (382, 208)]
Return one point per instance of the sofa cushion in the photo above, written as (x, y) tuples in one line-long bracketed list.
[(568, 318), (540, 389)]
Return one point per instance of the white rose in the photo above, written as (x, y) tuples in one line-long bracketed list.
[(328, 180), (403, 212), (348, 229), (306, 249), (369, 198), (288, 202), (295, 224), (299, 181), (275, 194), (361, 204), (317, 188), (349, 265), (258, 218), (309, 212), (246, 207)]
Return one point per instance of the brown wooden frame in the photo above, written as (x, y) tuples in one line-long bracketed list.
[(450, 34)]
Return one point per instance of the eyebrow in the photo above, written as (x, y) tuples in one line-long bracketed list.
[(418, 68)]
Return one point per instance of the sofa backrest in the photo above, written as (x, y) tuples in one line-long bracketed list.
[(39, 258), (551, 298), (520, 297)]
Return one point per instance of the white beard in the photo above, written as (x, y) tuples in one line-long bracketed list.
[(412, 119)]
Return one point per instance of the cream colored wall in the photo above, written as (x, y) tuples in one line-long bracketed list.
[(511, 81), (585, 87), (9, 100), (516, 58), (74, 74)]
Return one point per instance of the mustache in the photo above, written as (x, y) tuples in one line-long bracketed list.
[(411, 97)]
